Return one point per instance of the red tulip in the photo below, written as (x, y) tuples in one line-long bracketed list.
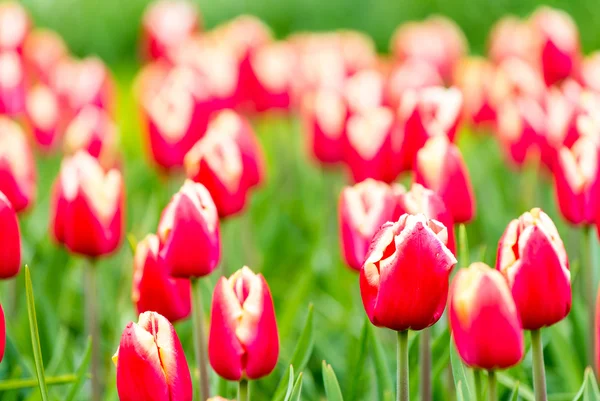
[(189, 232), (577, 181), (411, 74), (324, 114), (17, 167), (363, 209), (513, 38), (2, 333), (562, 110), (14, 26), (150, 362), (559, 40), (422, 200), (10, 240), (88, 206), (440, 167), (243, 342), (12, 83), (153, 288), (166, 24), (44, 117), (533, 259), (405, 258), (94, 131), (228, 161), (484, 320), (424, 113), (42, 51), (370, 151)]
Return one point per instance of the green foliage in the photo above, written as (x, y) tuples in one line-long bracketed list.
[(332, 387)]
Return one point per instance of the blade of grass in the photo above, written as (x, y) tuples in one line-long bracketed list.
[(81, 372), (19, 384), (506, 380), (332, 387), (290, 386)]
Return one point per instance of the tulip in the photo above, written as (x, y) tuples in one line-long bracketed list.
[(484, 320), (324, 114), (243, 341), (2, 333), (17, 167), (189, 232), (424, 113), (87, 206), (42, 51), (533, 259), (411, 74), (94, 131), (369, 151), (44, 118), (14, 26), (357, 49), (422, 200), (228, 161), (560, 52), (512, 38), (153, 288), (12, 83), (364, 91), (150, 362), (440, 167), (166, 24), (405, 257), (590, 71), (10, 240), (363, 209)]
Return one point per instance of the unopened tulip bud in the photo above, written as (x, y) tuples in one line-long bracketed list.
[(189, 232), (153, 287), (88, 206), (533, 259), (484, 320), (406, 257), (441, 168), (512, 38), (411, 74), (44, 118), (10, 240), (42, 51), (150, 362), (364, 91), (12, 83), (14, 26), (363, 209), (17, 166), (243, 341)]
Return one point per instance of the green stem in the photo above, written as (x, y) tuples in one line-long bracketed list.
[(492, 392), (199, 339), (402, 368), (19, 384), (588, 287), (93, 328), (539, 373), (478, 384), (243, 391), (425, 361)]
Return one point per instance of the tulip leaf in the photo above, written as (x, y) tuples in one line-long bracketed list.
[(332, 387), (514, 395), (358, 365), (382, 372), (589, 389), (290, 385), (35, 337), (459, 392), (301, 355), (81, 372), (297, 390), (459, 373), (506, 380)]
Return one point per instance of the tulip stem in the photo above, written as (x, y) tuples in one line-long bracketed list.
[(402, 369), (93, 329), (492, 392), (243, 391), (588, 278), (425, 361), (199, 339), (478, 384), (539, 374)]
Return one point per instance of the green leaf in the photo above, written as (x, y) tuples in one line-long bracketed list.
[(459, 373), (332, 387), (35, 337), (132, 241), (507, 381), (459, 392), (382, 373), (297, 391), (18, 384), (463, 247), (301, 354), (358, 365), (290, 385), (81, 371), (514, 396), (589, 389)]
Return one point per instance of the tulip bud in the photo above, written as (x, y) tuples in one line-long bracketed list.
[(10, 240), (440, 167), (324, 115), (363, 208), (406, 257), (512, 38), (17, 167), (533, 259), (153, 287), (420, 200), (2, 333), (88, 206), (475, 77), (42, 51), (12, 83), (44, 118), (14, 26), (228, 161), (484, 320), (189, 232), (166, 24), (150, 362), (357, 49), (364, 91), (243, 342), (590, 71), (411, 74)]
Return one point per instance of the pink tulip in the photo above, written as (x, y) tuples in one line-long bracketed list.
[(44, 117), (411, 74), (512, 38), (42, 51), (10, 241), (12, 83), (15, 24), (364, 91)]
